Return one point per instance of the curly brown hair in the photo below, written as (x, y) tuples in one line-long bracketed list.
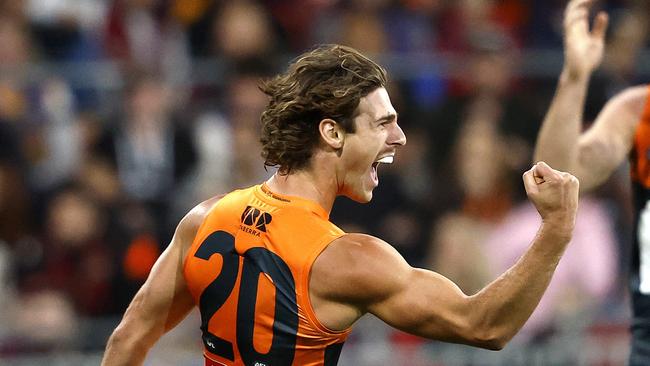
[(327, 82)]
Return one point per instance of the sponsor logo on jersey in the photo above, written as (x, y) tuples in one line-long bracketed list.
[(254, 221)]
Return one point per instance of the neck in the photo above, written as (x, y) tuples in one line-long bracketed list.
[(305, 184)]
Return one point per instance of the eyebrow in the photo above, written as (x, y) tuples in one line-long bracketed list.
[(388, 117)]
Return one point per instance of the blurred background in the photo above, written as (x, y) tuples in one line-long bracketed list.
[(118, 116)]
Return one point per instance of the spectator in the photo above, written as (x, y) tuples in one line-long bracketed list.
[(151, 151)]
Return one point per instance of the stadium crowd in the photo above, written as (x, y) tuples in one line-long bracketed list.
[(117, 116)]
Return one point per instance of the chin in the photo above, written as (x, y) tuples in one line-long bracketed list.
[(363, 197)]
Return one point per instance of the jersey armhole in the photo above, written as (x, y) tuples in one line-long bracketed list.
[(305, 277)]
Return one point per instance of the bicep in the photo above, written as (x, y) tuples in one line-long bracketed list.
[(373, 275), (427, 304), (165, 294), (603, 147)]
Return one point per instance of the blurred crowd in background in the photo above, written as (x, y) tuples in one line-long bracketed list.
[(117, 116)]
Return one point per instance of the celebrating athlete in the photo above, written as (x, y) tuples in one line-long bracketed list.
[(278, 284)]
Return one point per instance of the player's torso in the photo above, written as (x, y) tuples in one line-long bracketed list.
[(640, 259), (248, 270)]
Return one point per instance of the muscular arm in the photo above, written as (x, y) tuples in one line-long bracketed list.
[(367, 275), (427, 304), (161, 303)]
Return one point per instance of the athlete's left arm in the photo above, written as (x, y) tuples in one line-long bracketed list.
[(161, 303), (557, 141)]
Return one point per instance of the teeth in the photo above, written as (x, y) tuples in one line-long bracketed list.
[(386, 160)]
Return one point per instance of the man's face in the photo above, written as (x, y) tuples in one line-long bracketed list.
[(377, 136)]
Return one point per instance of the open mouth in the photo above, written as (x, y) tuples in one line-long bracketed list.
[(384, 160)]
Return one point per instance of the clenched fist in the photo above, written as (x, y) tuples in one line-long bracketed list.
[(554, 194)]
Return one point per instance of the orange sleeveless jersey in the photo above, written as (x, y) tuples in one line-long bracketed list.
[(248, 271), (640, 154)]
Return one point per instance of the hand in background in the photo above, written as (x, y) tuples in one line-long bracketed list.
[(583, 48)]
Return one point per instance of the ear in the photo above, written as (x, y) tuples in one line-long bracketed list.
[(332, 133)]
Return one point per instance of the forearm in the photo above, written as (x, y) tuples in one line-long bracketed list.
[(557, 142), (506, 304)]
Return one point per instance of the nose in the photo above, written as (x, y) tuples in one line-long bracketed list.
[(397, 136)]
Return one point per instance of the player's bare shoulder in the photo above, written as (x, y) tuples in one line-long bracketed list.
[(633, 99), (358, 269), (190, 223), (620, 117), (636, 94)]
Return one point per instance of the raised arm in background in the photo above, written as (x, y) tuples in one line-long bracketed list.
[(592, 155)]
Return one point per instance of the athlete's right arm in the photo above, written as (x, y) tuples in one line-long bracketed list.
[(162, 302), (367, 274)]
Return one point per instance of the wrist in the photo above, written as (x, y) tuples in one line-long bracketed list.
[(574, 75), (560, 227)]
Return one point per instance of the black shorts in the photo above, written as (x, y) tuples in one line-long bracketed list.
[(640, 350)]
